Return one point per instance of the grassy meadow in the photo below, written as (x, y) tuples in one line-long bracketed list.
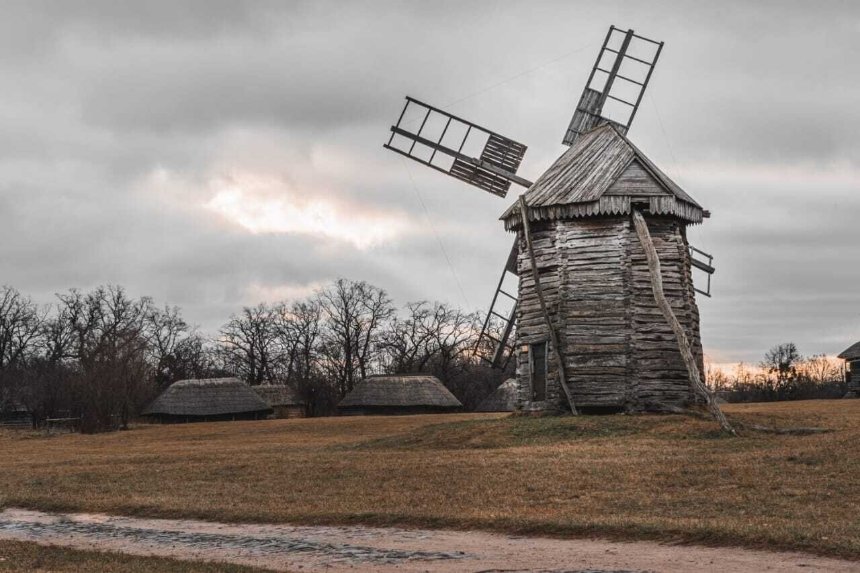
[(624, 477)]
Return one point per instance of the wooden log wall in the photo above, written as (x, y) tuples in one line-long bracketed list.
[(531, 323), (659, 371), (619, 350)]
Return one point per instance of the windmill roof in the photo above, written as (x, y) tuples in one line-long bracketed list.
[(277, 394), (503, 398), (584, 173), (404, 390), (207, 397), (851, 353)]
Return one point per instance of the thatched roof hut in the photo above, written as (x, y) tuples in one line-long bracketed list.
[(283, 400), (851, 356), (502, 399), (405, 394), (207, 399), (619, 351)]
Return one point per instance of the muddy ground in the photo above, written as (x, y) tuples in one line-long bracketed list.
[(357, 548)]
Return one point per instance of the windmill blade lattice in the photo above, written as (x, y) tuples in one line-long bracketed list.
[(450, 144), (616, 84)]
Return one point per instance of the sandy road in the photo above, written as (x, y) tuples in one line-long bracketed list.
[(357, 548)]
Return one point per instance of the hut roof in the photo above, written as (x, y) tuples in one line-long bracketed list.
[(599, 175), (503, 398), (277, 394), (208, 397), (851, 353), (405, 390)]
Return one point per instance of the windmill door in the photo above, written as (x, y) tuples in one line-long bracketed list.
[(537, 363)]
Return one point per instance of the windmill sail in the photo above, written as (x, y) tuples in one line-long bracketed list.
[(616, 84), (450, 144), (499, 322)]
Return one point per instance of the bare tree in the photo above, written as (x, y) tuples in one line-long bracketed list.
[(21, 323), (408, 343), (20, 327), (100, 349), (166, 330), (193, 357), (781, 362), (355, 313), (820, 368), (249, 342), (300, 330)]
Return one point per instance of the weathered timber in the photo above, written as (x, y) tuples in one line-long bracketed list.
[(683, 344), (556, 344), (620, 353), (578, 183)]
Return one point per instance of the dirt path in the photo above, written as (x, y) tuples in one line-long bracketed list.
[(356, 548)]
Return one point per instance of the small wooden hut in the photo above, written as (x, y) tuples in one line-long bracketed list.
[(14, 413), (619, 353), (207, 400), (851, 356), (502, 399), (282, 399), (403, 394)]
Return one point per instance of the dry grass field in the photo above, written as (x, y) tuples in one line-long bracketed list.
[(624, 477)]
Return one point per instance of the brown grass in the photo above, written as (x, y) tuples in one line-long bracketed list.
[(25, 557), (628, 477)]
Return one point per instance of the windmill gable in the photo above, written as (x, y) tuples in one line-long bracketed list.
[(636, 181)]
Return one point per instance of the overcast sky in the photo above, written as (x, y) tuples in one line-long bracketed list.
[(217, 154)]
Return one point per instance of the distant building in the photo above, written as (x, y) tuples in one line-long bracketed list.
[(14, 413), (408, 394), (503, 398), (207, 400), (282, 399), (851, 356)]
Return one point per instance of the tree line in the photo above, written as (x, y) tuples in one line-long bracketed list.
[(100, 356), (783, 374)]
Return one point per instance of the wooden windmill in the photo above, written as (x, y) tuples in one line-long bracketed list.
[(589, 331)]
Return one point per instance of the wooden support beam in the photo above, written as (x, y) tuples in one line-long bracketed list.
[(556, 343), (683, 343)]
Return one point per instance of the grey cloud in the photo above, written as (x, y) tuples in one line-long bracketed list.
[(96, 99)]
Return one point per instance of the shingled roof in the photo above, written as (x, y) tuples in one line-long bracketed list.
[(277, 394), (851, 353), (206, 397), (599, 175), (408, 391), (503, 398)]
